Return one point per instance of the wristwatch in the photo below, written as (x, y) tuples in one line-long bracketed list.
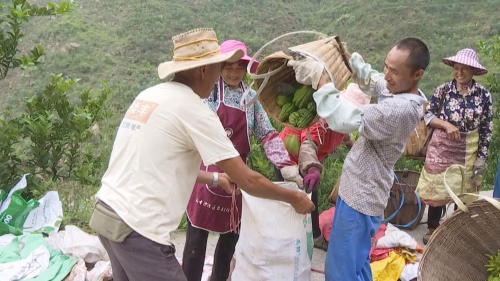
[(215, 179)]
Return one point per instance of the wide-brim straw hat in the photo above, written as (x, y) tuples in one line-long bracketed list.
[(467, 57), (196, 48)]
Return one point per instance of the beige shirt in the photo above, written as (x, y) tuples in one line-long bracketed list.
[(156, 156)]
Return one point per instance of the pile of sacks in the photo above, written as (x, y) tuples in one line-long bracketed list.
[(62, 255), (26, 253)]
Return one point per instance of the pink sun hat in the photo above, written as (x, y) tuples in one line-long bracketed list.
[(467, 57), (232, 45)]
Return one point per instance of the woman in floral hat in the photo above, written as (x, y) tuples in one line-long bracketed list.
[(210, 207), (461, 113)]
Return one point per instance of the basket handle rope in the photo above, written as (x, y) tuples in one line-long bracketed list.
[(456, 198), (267, 76)]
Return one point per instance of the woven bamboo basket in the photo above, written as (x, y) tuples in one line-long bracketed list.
[(457, 249), (328, 50), (416, 140), (334, 194), (409, 210)]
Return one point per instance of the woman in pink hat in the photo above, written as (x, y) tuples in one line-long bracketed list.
[(210, 207), (461, 113)]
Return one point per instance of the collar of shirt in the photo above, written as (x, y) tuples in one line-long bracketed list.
[(472, 90), (419, 99)]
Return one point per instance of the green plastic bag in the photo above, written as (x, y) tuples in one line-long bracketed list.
[(14, 210), (17, 211), (7, 229)]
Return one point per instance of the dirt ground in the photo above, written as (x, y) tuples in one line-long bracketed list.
[(318, 262)]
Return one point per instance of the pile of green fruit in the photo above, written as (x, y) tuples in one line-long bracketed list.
[(299, 109), (493, 267)]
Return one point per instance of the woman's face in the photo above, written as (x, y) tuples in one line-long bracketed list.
[(462, 73), (233, 73)]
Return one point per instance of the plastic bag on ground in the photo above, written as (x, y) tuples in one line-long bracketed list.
[(21, 247), (14, 210), (47, 217), (75, 242), (275, 242)]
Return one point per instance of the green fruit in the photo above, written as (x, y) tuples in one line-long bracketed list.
[(312, 106), (285, 111), (292, 144), (294, 118), (305, 118), (283, 99), (303, 96)]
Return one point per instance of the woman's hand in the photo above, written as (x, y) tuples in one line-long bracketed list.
[(228, 184), (452, 131)]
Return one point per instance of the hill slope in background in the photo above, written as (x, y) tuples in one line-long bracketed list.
[(123, 41)]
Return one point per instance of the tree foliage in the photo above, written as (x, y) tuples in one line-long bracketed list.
[(53, 138), (19, 12)]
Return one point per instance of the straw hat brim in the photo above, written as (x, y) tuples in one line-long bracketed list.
[(171, 67), (479, 69)]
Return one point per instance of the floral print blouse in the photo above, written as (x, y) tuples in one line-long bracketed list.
[(468, 112), (257, 121)]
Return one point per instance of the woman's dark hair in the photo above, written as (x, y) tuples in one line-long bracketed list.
[(419, 56)]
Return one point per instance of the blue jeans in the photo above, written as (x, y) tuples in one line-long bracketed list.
[(496, 191), (348, 255)]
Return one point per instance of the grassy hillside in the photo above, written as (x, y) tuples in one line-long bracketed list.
[(123, 41)]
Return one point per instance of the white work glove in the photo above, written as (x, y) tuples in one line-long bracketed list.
[(480, 166), (365, 76), (291, 173), (341, 115), (307, 71)]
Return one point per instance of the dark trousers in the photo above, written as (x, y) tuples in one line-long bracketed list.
[(314, 214), (193, 257), (137, 259), (434, 216)]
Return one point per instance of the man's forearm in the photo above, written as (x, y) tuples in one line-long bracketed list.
[(254, 183), (204, 177)]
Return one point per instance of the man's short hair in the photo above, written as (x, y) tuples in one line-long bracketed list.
[(419, 56)]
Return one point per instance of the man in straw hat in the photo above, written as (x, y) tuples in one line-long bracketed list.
[(383, 128), (155, 162)]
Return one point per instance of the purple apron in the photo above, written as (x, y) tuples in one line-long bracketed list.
[(209, 207)]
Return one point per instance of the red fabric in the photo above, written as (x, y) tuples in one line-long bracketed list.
[(326, 139), (379, 254), (329, 139), (325, 222)]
